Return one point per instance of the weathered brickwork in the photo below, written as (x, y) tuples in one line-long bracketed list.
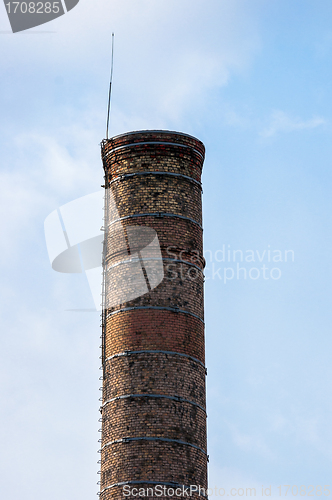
[(185, 294), (175, 235), (155, 372), (168, 194), (150, 461), (157, 330), (153, 408), (151, 417)]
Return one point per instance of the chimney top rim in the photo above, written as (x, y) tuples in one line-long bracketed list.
[(152, 131)]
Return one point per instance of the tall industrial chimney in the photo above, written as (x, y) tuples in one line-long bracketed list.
[(153, 405)]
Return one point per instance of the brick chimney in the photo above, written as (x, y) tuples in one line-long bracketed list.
[(153, 404)]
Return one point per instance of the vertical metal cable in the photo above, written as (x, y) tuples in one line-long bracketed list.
[(110, 90)]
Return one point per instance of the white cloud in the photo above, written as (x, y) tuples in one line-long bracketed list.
[(253, 443), (19, 202), (43, 173), (168, 54), (55, 419), (283, 122), (230, 478)]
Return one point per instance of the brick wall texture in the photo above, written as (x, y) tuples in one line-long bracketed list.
[(153, 408)]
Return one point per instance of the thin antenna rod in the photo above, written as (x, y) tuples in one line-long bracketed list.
[(110, 91)]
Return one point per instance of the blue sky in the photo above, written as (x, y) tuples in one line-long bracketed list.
[(251, 79)]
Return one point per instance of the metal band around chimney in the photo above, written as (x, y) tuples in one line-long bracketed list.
[(168, 353), (156, 214), (148, 438), (154, 143), (178, 399), (174, 261), (147, 172), (157, 308), (156, 483)]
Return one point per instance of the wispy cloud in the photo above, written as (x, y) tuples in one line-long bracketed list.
[(283, 122), (253, 443)]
